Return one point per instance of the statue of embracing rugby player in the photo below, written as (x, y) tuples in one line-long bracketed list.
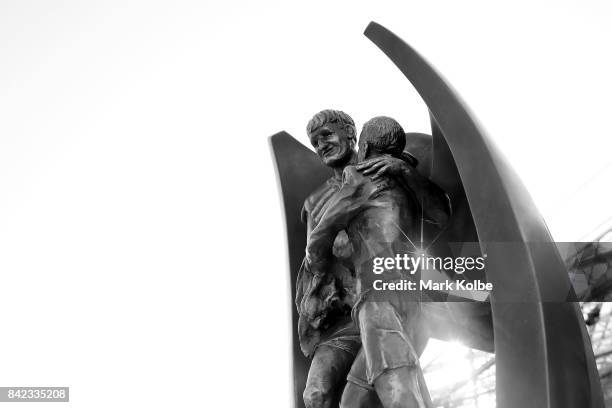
[(364, 344)]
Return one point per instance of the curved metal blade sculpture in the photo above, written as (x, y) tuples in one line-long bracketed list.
[(543, 353)]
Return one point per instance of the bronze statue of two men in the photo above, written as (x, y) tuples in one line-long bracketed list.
[(364, 344)]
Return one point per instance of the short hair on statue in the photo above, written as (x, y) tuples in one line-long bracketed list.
[(385, 135), (332, 116)]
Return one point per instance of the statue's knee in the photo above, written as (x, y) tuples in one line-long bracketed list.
[(349, 399), (314, 397), (355, 396)]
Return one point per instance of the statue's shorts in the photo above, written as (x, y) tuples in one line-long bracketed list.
[(346, 338), (388, 328)]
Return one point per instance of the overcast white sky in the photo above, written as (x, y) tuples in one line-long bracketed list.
[(141, 234)]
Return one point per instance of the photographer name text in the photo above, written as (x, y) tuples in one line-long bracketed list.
[(447, 285)]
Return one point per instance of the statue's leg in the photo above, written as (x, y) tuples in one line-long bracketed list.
[(326, 377), (358, 393), (388, 332), (400, 388), (423, 388), (355, 396)]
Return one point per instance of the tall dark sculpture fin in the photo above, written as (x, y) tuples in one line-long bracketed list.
[(544, 358), (299, 171), (420, 146), (445, 174)]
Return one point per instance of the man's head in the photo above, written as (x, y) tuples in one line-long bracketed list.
[(381, 135), (332, 134)]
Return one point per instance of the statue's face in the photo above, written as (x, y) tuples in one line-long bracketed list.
[(332, 143)]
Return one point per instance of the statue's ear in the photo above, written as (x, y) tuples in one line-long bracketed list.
[(352, 131), (366, 149)]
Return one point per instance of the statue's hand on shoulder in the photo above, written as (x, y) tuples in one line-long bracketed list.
[(383, 166)]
